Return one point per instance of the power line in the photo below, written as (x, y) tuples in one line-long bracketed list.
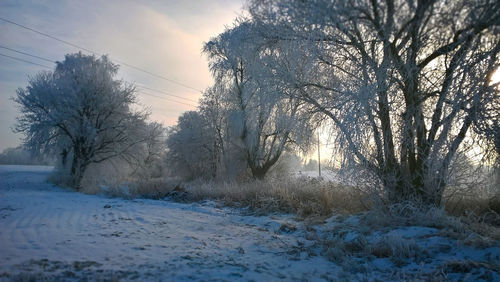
[(96, 53), (48, 60), (157, 75), (26, 61), (144, 93), (166, 93), (27, 54), (47, 35), (164, 98)]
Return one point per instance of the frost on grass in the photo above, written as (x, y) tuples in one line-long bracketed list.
[(404, 252)]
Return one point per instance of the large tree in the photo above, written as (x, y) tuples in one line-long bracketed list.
[(262, 114), (403, 82), (81, 112)]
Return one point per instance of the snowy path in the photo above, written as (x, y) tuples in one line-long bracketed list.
[(58, 234)]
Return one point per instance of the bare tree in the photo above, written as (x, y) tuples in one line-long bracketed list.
[(80, 112), (403, 81)]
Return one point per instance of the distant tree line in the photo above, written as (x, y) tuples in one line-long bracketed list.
[(20, 156)]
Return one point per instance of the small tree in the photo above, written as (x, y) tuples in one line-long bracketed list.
[(81, 112), (192, 147), (147, 158)]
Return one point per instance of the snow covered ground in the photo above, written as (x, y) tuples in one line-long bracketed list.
[(49, 233), (46, 231)]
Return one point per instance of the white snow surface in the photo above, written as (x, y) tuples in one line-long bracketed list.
[(49, 233), (46, 230)]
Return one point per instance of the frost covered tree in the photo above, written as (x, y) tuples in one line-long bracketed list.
[(404, 82), (192, 148), (488, 123), (147, 157), (262, 115), (227, 161), (81, 112)]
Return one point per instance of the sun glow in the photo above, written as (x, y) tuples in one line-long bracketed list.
[(495, 78)]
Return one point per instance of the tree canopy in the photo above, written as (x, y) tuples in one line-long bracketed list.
[(81, 112)]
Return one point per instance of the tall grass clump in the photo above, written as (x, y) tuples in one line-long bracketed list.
[(303, 196)]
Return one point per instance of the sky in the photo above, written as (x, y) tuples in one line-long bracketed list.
[(162, 37)]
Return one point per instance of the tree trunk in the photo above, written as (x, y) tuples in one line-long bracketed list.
[(64, 156), (78, 167), (418, 190), (259, 172)]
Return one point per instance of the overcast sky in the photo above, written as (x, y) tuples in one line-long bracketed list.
[(163, 37)]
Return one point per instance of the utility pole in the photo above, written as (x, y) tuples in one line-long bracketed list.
[(319, 157)]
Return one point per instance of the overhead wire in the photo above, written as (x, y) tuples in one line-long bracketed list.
[(27, 54), (165, 93), (156, 75), (98, 54), (26, 61), (52, 61), (167, 99)]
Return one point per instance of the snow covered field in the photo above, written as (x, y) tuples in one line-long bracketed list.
[(49, 233), (46, 231)]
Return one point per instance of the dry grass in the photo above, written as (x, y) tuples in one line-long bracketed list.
[(479, 215), (398, 249), (130, 188), (468, 266), (307, 197), (304, 196), (345, 251), (485, 208), (469, 229), (410, 213), (116, 180), (335, 250), (156, 188)]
